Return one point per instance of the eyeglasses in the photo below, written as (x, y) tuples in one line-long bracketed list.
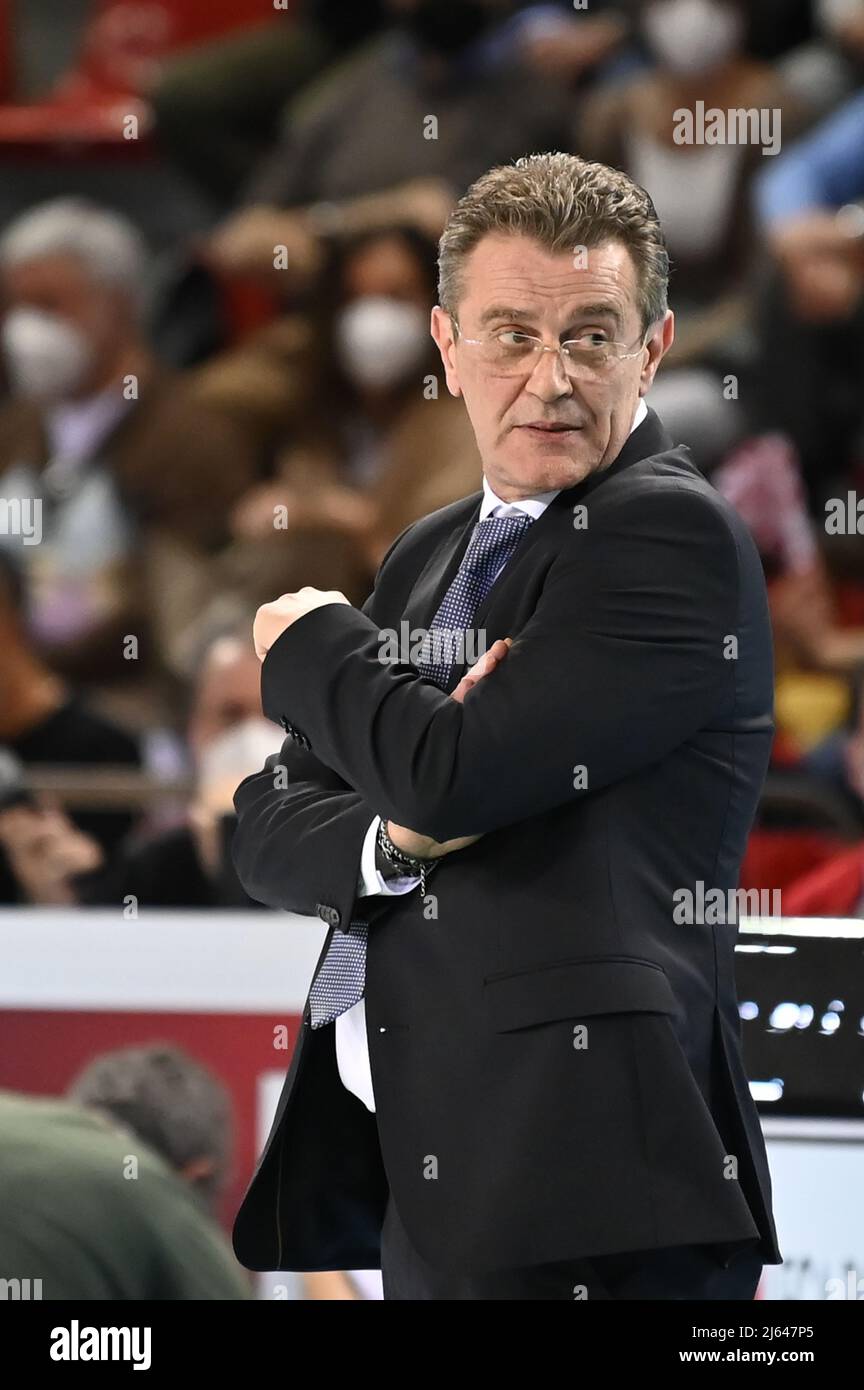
[(511, 353)]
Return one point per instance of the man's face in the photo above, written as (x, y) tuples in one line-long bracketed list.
[(540, 429), (61, 285), (62, 288), (228, 692)]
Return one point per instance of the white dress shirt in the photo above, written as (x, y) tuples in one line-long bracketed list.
[(352, 1044)]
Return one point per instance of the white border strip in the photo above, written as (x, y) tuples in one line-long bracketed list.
[(804, 926), (164, 962), (197, 961), (788, 1127)]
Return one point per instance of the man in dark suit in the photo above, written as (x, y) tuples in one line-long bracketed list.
[(548, 1092)]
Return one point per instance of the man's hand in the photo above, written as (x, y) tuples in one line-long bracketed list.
[(422, 846), (45, 851), (248, 243), (272, 619)]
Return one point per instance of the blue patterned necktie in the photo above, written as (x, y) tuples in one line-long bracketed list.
[(341, 981)]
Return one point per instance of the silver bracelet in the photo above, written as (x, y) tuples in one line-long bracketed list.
[(400, 860)]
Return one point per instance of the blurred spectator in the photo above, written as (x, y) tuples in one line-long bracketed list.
[(372, 440), (190, 865), (762, 479), (814, 654), (839, 759), (93, 1213), (216, 108), (821, 254), (573, 47), (811, 204), (699, 185), (173, 1103), (394, 134), (826, 70), (130, 477), (43, 721)]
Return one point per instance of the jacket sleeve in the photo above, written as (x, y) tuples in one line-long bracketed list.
[(629, 652), (301, 826)]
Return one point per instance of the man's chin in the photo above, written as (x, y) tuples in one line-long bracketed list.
[(561, 462)]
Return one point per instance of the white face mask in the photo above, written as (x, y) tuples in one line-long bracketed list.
[(239, 751), (46, 356), (379, 340), (690, 37)]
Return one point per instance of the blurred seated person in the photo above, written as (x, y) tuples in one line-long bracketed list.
[(839, 758), (827, 69), (394, 134), (699, 184), (216, 106), (71, 1218), (174, 1104), (188, 865), (762, 480), (126, 478), (372, 440), (811, 207), (43, 720), (814, 656)]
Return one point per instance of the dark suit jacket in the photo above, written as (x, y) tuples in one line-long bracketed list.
[(505, 1139)]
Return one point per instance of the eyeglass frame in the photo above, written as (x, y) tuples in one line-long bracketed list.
[(559, 348)]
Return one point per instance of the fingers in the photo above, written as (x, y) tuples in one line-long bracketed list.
[(484, 667), (488, 661)]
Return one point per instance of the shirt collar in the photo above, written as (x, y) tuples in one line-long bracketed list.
[(536, 505)]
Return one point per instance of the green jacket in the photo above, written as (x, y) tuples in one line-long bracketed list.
[(92, 1213)]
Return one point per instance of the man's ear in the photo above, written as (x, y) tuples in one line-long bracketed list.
[(441, 328), (661, 340)]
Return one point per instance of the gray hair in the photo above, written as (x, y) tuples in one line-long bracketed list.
[(107, 245), (563, 202), (166, 1099)]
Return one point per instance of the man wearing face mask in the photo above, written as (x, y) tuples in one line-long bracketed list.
[(189, 865), (702, 191), (118, 461), (380, 340)]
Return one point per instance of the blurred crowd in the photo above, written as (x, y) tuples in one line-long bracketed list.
[(189, 429)]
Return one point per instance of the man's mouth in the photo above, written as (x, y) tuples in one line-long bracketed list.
[(548, 427)]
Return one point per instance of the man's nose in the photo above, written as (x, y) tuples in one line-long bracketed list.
[(549, 381)]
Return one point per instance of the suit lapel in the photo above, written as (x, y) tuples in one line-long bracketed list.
[(442, 566)]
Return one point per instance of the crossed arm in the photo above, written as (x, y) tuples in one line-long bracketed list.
[(625, 657)]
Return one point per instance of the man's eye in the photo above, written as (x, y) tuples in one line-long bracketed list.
[(511, 337)]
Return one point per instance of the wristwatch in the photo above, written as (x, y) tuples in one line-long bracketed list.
[(392, 862)]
